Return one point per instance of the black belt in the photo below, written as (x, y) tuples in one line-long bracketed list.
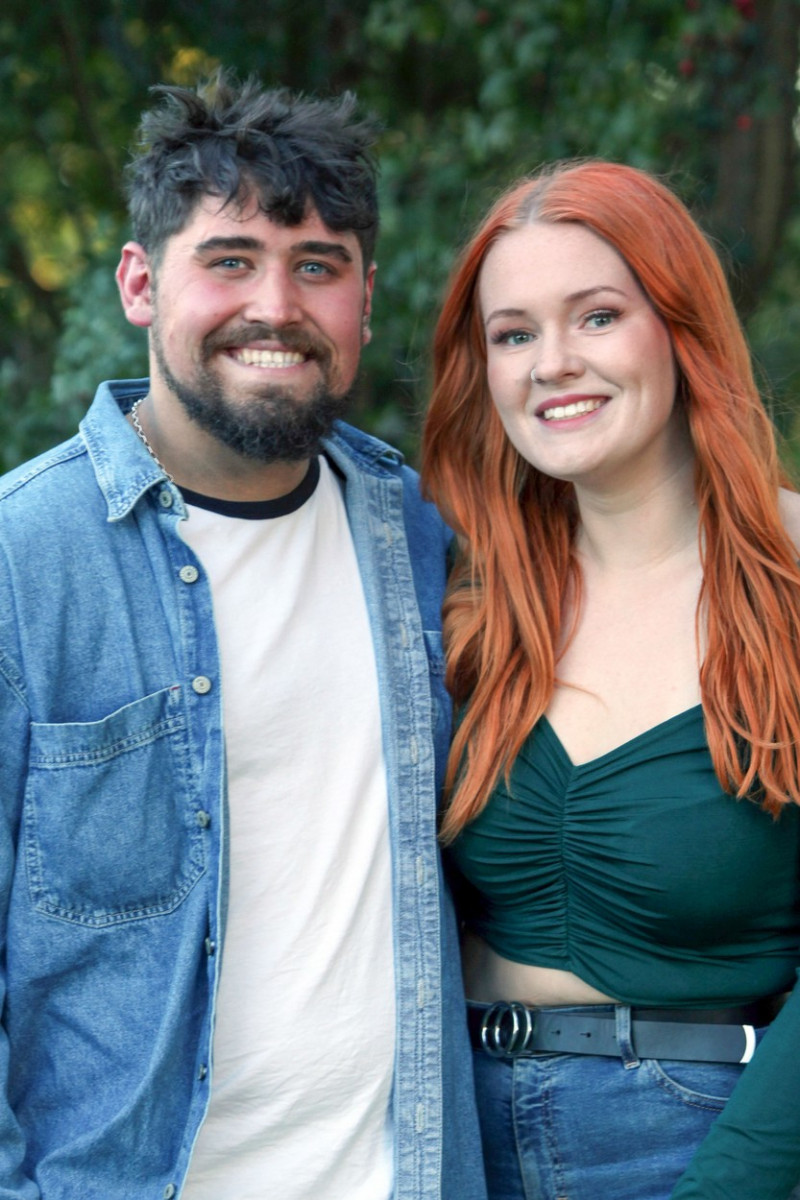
[(727, 1035)]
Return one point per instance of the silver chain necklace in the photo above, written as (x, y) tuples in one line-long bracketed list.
[(137, 425)]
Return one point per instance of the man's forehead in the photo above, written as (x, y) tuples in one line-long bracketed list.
[(214, 218)]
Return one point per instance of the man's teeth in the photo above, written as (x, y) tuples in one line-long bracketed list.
[(269, 358), (564, 411)]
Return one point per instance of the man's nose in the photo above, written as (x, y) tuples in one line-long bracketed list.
[(273, 300)]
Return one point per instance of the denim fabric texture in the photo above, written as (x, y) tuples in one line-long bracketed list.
[(113, 821), (585, 1127)]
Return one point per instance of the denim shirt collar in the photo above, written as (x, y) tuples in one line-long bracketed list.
[(125, 469)]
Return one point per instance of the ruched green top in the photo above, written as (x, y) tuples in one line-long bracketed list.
[(639, 874)]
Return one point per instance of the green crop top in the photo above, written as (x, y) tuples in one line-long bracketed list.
[(637, 873)]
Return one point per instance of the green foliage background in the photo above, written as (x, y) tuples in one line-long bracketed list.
[(471, 95)]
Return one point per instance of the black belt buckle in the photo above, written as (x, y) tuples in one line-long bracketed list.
[(507, 1029)]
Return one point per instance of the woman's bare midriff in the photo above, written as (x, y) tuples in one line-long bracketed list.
[(489, 977)]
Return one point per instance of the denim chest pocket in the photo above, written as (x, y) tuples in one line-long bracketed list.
[(109, 833)]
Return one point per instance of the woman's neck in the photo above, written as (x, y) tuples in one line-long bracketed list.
[(642, 527)]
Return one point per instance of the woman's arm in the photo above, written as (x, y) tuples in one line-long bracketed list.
[(753, 1149)]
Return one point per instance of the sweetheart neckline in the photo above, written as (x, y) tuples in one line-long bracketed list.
[(589, 762)]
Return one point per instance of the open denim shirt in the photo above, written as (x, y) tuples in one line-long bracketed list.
[(113, 821)]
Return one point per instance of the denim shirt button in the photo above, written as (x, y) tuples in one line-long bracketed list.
[(201, 684), (169, 1191), (203, 819), (189, 574), (211, 946), (202, 1071), (166, 501)]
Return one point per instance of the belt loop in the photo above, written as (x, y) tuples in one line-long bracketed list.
[(622, 1016)]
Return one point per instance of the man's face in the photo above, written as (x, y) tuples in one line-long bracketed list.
[(257, 328)]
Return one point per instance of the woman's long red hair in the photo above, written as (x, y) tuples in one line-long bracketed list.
[(516, 526)]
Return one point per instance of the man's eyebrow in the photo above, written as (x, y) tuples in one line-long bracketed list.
[(213, 245), (325, 249)]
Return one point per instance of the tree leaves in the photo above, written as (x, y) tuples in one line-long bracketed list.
[(472, 94)]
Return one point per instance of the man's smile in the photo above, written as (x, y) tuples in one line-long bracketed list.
[(269, 358)]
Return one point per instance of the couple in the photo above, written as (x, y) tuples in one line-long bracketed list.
[(230, 964)]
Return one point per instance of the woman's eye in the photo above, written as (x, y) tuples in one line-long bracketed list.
[(511, 337), (602, 318)]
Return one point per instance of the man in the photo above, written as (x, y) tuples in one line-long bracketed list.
[(229, 965)]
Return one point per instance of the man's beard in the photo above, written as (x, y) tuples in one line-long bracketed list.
[(273, 425)]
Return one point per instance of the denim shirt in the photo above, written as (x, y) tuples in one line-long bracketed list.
[(113, 826)]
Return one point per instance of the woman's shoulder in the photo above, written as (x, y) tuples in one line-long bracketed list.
[(789, 506)]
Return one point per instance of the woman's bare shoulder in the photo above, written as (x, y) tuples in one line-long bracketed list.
[(789, 505)]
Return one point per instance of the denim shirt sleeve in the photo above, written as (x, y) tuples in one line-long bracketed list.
[(111, 825), (14, 720)]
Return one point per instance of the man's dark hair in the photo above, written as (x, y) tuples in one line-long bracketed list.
[(239, 141)]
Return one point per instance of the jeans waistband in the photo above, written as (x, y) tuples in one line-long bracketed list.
[(509, 1029)]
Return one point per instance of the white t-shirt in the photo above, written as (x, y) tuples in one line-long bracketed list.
[(304, 1036)]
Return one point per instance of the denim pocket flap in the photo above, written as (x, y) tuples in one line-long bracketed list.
[(110, 833)]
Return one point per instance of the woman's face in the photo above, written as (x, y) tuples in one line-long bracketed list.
[(601, 412)]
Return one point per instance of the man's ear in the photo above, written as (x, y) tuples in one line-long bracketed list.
[(135, 282), (369, 284)]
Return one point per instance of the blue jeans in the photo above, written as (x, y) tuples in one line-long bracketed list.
[(585, 1127)]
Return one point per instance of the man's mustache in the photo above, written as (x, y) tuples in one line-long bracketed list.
[(290, 338)]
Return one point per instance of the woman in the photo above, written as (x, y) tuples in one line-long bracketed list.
[(622, 639)]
